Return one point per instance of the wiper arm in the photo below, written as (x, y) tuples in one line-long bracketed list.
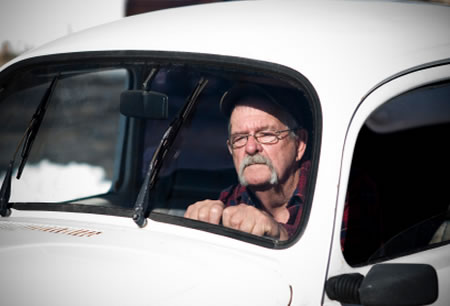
[(27, 140), (141, 207)]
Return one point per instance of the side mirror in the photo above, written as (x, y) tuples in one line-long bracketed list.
[(386, 284), (143, 104)]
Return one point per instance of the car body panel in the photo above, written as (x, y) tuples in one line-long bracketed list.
[(439, 257), (342, 48), (95, 262), (312, 33)]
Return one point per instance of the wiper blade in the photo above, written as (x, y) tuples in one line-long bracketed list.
[(27, 141), (141, 207), (34, 125)]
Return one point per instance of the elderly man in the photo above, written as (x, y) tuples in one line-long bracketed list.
[(267, 144)]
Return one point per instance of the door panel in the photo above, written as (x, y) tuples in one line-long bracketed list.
[(395, 206)]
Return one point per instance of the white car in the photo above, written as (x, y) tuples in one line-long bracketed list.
[(115, 130)]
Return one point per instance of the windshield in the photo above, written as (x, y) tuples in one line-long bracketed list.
[(106, 118), (71, 157)]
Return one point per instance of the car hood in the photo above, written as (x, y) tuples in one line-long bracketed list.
[(65, 262)]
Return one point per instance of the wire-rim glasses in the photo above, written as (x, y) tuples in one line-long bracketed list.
[(263, 137)]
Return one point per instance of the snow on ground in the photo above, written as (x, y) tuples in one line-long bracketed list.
[(51, 182)]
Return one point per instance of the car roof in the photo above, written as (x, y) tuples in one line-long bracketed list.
[(334, 44)]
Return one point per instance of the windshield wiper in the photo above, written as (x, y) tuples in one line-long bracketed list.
[(141, 207), (27, 141)]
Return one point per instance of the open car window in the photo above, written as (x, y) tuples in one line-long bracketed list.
[(397, 198), (89, 152)]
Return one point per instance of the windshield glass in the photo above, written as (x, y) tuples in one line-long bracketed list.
[(71, 156), (106, 118)]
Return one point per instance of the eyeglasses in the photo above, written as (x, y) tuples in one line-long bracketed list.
[(264, 137)]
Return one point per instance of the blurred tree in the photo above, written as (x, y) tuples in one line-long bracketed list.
[(6, 54)]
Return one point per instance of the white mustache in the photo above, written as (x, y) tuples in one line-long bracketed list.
[(257, 160)]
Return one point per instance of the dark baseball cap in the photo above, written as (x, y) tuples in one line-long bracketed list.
[(291, 100)]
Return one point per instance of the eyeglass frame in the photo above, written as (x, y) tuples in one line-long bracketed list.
[(247, 135)]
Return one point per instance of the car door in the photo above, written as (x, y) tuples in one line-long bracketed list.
[(391, 241)]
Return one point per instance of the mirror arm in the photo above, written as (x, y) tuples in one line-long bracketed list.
[(345, 288)]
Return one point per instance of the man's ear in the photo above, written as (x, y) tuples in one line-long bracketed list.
[(301, 145), (229, 147)]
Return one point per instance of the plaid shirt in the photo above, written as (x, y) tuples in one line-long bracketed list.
[(361, 210), (237, 194)]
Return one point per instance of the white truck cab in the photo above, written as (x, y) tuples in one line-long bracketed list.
[(109, 134)]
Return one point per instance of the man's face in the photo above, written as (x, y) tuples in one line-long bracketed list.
[(262, 165)]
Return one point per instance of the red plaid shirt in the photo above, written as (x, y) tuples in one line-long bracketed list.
[(362, 212), (238, 194)]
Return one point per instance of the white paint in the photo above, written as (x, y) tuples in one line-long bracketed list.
[(343, 48)]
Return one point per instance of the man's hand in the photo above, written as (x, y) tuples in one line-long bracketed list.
[(251, 220), (207, 211)]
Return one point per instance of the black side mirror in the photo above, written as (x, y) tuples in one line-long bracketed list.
[(143, 104), (386, 284)]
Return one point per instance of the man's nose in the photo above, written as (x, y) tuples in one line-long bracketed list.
[(252, 146)]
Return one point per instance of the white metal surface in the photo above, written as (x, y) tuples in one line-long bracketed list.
[(439, 257), (333, 43), (342, 47), (52, 259)]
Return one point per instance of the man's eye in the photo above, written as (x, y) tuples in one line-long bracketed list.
[(238, 138), (265, 134), (266, 137)]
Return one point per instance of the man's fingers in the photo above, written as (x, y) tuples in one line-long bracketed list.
[(232, 216), (242, 217), (252, 220), (191, 212), (259, 229), (207, 211), (203, 213), (236, 220), (215, 213), (227, 214), (248, 222)]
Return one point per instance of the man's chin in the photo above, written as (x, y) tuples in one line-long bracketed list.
[(257, 183), (260, 187)]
